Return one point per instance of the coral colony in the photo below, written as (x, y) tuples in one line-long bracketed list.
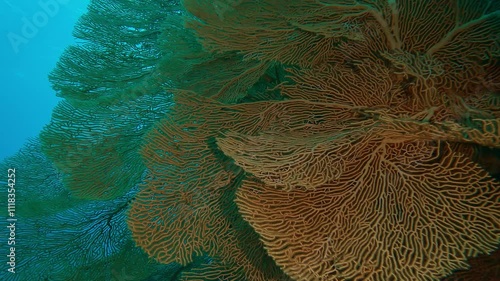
[(285, 140)]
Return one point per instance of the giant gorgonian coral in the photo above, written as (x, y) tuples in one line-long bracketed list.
[(305, 140)]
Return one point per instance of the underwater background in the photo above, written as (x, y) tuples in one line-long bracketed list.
[(250, 140)]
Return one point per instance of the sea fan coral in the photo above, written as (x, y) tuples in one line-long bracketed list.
[(356, 175), (306, 140)]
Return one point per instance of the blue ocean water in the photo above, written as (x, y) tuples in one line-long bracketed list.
[(34, 34)]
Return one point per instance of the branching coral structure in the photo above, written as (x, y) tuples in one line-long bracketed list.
[(357, 172), (296, 140)]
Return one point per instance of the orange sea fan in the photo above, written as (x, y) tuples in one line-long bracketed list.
[(408, 211), (186, 208)]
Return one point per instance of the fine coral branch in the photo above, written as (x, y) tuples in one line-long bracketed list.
[(454, 32)]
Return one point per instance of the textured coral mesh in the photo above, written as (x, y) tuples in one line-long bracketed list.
[(186, 208), (380, 191), (358, 169), (402, 212)]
